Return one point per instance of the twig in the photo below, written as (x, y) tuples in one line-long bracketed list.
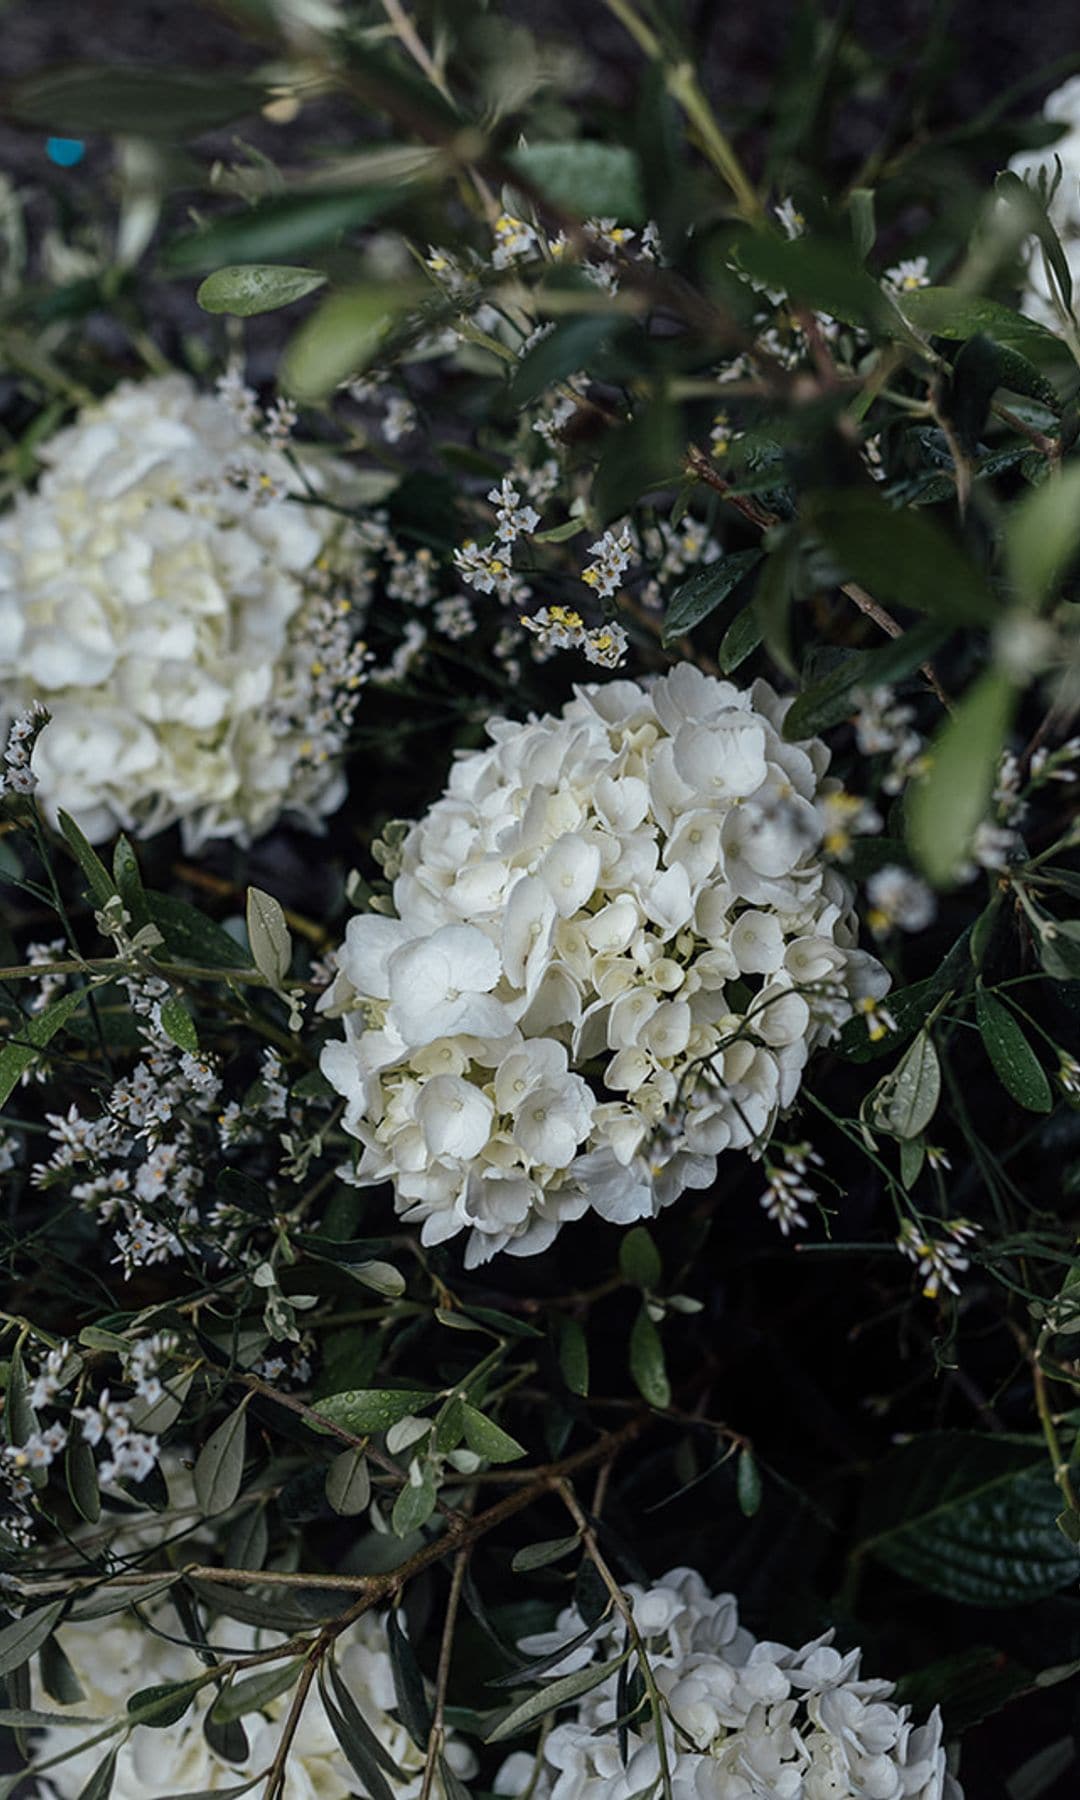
[(437, 1734)]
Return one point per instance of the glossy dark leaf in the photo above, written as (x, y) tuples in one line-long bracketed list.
[(412, 1702), (1015, 1063), (705, 590)]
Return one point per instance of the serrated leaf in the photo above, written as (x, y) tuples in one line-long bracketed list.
[(908, 1097), (1015, 1063), (488, 1439), (268, 935), (706, 589), (364, 1410), (946, 806), (411, 1695), (178, 1025), (555, 1694), (647, 1361), (20, 1639), (32, 1035), (970, 1516), (538, 1556), (639, 1259), (348, 1483), (219, 1467), (244, 289)]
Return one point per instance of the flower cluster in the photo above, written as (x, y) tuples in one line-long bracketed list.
[(113, 1659), (181, 612), (616, 945), (938, 1260), (741, 1718)]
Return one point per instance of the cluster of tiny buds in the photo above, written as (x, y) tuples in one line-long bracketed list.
[(938, 1260), (17, 777), (788, 1190)]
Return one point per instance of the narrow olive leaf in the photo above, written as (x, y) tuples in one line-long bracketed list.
[(455, 1788), (228, 1740), (748, 1483), (28, 1718), (134, 102), (20, 1421), (348, 1483), (912, 1157), (363, 1410), (538, 1556), (255, 1692), (574, 1355), (412, 1703), (29, 1038), (277, 229), (740, 640), (1059, 949), (20, 1639), (1015, 1063), (946, 807), (102, 885), (549, 1699), (58, 1678), (218, 1793), (573, 346), (112, 1600), (488, 1439), (157, 1415), (647, 1361), (164, 1704), (359, 1725), (639, 1259), (100, 1784), (381, 1277), (1042, 536), (532, 1671), (219, 1468), (178, 1025), (907, 1099), (125, 868), (268, 935), (244, 289), (772, 601), (357, 1752), (695, 599)]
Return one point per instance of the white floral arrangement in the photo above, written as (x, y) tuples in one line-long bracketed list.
[(1061, 107), (114, 1658), (616, 945), (741, 1718), (188, 613)]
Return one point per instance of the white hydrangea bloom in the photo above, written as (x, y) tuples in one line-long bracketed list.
[(184, 619), (616, 946), (746, 1720), (116, 1657), (1063, 107)]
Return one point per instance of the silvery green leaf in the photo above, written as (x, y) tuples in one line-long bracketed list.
[(268, 935), (219, 1468)]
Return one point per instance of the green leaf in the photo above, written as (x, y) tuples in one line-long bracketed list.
[(178, 1025), (364, 1410), (908, 1097), (970, 1516), (639, 1259), (820, 274), (637, 458), (244, 289), (380, 1277), (1015, 1063), (412, 1703), (1042, 536), (128, 881), (912, 1157), (357, 1749), (157, 1415), (133, 102), (573, 346), (277, 229), (255, 1692), (99, 1786), (980, 369), (80, 1472), (828, 701), (102, 885), (58, 1678), (268, 935), (647, 1361), (538, 1556), (550, 1698), (748, 1483), (188, 936), (339, 340), (903, 557), (863, 224), (415, 1503), (574, 1355), (1058, 945), (740, 640), (164, 1704), (946, 806), (487, 1439), (695, 599), (946, 312), (219, 1467), (595, 180), (359, 1725), (33, 1034), (775, 592), (20, 1639), (348, 1483)]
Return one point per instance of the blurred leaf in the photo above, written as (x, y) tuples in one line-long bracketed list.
[(970, 1516), (647, 1361), (1015, 1063), (488, 1439), (823, 275), (219, 1467), (903, 557), (775, 592), (696, 598), (20, 1639), (980, 369), (946, 312), (364, 1410), (291, 226), (1042, 536), (638, 458), (748, 1483), (946, 806), (863, 223), (132, 102), (244, 289), (340, 340), (829, 701), (33, 1033), (595, 180), (639, 1259), (538, 1556), (550, 1698), (573, 346), (348, 1483)]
